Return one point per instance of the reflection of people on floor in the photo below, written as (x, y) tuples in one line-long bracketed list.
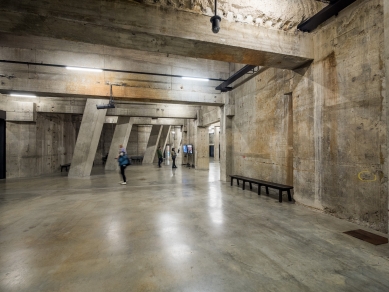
[(174, 156)]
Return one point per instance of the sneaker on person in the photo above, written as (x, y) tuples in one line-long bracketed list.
[(120, 182), (123, 183)]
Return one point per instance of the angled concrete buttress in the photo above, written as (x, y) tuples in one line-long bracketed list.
[(226, 146), (87, 139), (152, 144), (163, 140), (120, 137), (202, 148), (216, 143)]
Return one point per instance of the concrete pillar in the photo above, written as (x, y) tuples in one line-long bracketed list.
[(163, 140), (177, 144), (151, 149), (143, 138), (216, 143), (226, 145), (120, 137), (202, 148), (87, 139), (386, 57)]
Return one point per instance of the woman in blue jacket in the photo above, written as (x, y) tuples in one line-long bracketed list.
[(123, 162)]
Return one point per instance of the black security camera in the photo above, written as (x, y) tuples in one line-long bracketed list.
[(106, 106), (215, 23)]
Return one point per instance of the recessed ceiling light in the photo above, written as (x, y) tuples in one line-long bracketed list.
[(84, 69), (23, 95), (194, 78)]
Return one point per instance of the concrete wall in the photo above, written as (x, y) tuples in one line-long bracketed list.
[(40, 148), (105, 142), (334, 117), (137, 143)]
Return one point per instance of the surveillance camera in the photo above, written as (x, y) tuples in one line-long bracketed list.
[(215, 23)]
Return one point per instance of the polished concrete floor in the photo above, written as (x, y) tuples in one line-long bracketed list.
[(173, 230)]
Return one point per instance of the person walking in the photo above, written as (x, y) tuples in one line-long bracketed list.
[(174, 156), (123, 162), (159, 153)]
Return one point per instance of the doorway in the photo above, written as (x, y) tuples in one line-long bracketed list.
[(2, 145)]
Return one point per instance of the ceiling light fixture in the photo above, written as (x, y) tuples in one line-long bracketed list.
[(194, 78), (215, 20), (23, 95), (84, 69)]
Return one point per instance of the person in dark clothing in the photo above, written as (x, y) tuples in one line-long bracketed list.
[(160, 159), (174, 156), (123, 162)]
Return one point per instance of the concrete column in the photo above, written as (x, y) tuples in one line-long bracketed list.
[(386, 57), (184, 141), (120, 137), (216, 143), (163, 140), (87, 139), (226, 146), (143, 138), (202, 149), (151, 149)]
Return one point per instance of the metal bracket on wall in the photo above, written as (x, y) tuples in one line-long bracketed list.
[(246, 69)]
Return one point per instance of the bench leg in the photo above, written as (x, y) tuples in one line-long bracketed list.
[(237, 180), (289, 196), (251, 186), (231, 180), (280, 196), (259, 189), (267, 190), (243, 184)]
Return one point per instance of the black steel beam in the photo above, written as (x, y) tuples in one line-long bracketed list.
[(332, 9), (224, 86)]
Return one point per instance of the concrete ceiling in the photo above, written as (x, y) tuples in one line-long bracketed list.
[(155, 36)]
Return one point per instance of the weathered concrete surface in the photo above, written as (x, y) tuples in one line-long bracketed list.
[(19, 111), (202, 148), (120, 137), (137, 142), (386, 43), (152, 144), (226, 146), (339, 121), (39, 148), (167, 31), (87, 139), (209, 115), (280, 14)]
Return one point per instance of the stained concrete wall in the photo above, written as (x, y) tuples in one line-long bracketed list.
[(335, 119), (40, 148), (137, 143)]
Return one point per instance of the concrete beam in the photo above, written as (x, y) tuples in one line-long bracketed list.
[(120, 137), (78, 89), (87, 140), (157, 30), (19, 111)]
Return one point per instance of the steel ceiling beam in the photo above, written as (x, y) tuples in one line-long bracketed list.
[(224, 86), (326, 13)]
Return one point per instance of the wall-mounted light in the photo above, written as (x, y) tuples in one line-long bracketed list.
[(195, 78), (84, 69), (23, 95)]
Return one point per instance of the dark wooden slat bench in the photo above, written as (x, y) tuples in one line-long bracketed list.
[(66, 166), (261, 183)]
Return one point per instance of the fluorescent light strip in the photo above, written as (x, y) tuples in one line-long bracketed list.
[(84, 69), (23, 95), (194, 78)]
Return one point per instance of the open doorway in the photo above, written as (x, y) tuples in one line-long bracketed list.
[(2, 144)]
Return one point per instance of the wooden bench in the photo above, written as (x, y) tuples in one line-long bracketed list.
[(66, 166), (136, 159), (262, 183)]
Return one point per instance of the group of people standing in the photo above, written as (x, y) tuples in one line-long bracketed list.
[(160, 157), (124, 161)]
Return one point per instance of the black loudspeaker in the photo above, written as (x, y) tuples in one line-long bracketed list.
[(2, 149)]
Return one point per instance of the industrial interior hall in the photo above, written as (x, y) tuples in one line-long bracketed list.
[(194, 145)]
